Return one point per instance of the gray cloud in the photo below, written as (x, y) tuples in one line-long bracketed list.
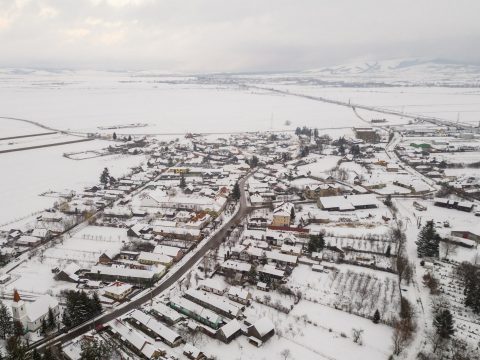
[(232, 35)]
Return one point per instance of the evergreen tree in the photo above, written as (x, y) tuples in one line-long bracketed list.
[(51, 322), (129, 137), (16, 349), (18, 329), (95, 350), (443, 324), (388, 251), (36, 355), (183, 183), (428, 241), (79, 307), (236, 191), (376, 317), (105, 177), (316, 243), (43, 329), (292, 213), (6, 322), (114, 136), (470, 275), (48, 354), (253, 161)]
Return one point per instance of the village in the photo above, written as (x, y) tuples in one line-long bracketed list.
[(275, 244)]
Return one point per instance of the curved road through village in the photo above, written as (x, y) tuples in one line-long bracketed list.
[(199, 252)]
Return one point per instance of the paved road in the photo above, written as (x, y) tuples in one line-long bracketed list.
[(430, 119), (184, 268)]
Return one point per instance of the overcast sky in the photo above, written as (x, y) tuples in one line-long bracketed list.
[(233, 35)]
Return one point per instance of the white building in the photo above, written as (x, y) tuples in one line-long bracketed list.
[(32, 314)]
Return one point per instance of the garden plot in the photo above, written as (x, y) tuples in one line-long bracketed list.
[(321, 167), (354, 230), (378, 246), (84, 248), (467, 324), (349, 289), (305, 339), (87, 245), (36, 277), (458, 157)]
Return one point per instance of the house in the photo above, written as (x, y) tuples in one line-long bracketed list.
[(149, 258), (192, 352), (472, 233), (269, 273), (316, 190), (178, 232), (239, 295), (107, 257), (219, 304), (31, 315), (69, 273), (282, 214), (134, 340), (195, 311), (229, 331), (122, 273), (28, 240), (155, 329), (348, 202), (166, 313), (366, 134), (291, 250), (41, 233), (118, 291), (213, 285), (466, 206), (4, 278), (236, 266), (281, 258), (172, 251), (262, 329)]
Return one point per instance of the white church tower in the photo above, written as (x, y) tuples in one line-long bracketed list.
[(19, 310)]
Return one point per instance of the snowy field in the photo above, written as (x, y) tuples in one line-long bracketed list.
[(85, 103), (446, 103), (27, 174)]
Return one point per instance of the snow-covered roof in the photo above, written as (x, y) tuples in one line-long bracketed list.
[(154, 325), (264, 326), (40, 307), (167, 250), (155, 257), (123, 271), (218, 302), (231, 328), (237, 265)]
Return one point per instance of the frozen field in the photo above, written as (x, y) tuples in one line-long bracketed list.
[(446, 103), (27, 174), (86, 103)]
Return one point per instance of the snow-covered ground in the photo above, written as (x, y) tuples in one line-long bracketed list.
[(27, 174)]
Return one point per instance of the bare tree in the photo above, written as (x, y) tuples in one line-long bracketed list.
[(357, 336), (449, 248), (285, 354)]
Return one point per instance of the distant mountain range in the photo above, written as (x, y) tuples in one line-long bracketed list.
[(402, 72), (398, 72)]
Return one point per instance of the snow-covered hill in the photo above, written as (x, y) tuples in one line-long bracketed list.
[(402, 71)]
